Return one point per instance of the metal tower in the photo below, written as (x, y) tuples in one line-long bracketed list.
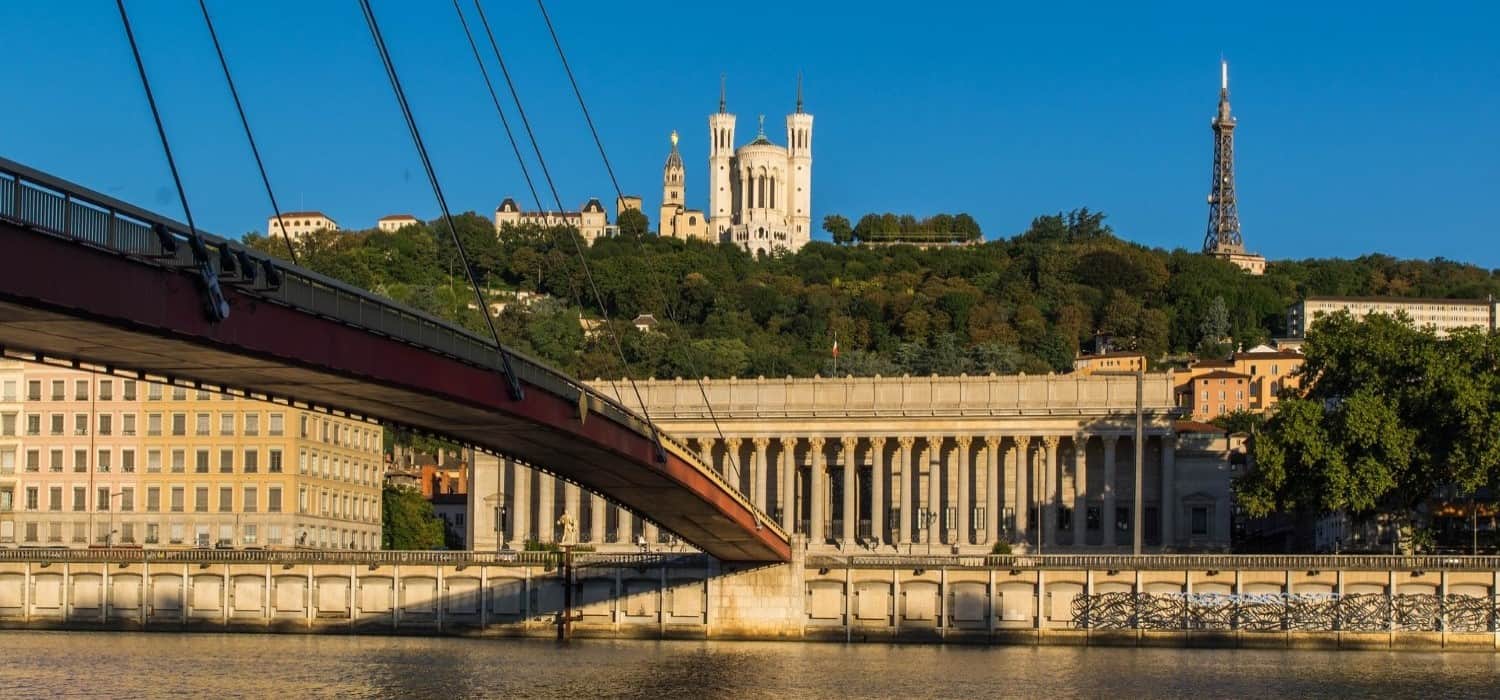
[(1223, 216)]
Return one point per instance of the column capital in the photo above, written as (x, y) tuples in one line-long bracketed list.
[(906, 441), (963, 441), (760, 443), (992, 441), (878, 441), (1109, 439), (816, 442), (1051, 441), (848, 442), (733, 442)]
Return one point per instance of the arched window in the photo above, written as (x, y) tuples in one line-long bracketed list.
[(692, 221)]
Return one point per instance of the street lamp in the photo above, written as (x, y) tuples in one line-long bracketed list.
[(927, 517), (110, 536), (497, 505)]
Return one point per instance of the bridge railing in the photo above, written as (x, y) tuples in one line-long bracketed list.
[(1169, 562), (58, 207)]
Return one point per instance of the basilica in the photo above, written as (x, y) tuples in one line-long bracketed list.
[(759, 194)]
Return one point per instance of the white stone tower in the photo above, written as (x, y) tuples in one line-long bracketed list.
[(799, 126), (720, 152), (673, 190)]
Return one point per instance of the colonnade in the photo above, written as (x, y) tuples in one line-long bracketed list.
[(539, 507)]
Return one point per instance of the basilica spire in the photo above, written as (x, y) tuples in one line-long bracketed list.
[(722, 102), (799, 92)]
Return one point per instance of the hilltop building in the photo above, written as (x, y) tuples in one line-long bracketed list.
[(300, 223), (396, 222), (674, 218), (1223, 240), (590, 219), (1252, 380), (1443, 315)]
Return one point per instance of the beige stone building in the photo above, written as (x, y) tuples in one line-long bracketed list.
[(1109, 362), (299, 224), (1441, 314), (591, 220), (1253, 380), (675, 219), (396, 222), (109, 460), (905, 465)]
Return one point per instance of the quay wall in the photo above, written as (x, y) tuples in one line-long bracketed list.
[(1168, 600)]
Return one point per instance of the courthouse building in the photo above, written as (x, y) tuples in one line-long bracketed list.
[(90, 459), (911, 464)]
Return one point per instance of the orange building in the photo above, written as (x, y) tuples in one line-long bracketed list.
[(1109, 362), (1268, 372), (1218, 393)]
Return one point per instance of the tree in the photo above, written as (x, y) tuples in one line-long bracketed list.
[(838, 227), (1213, 329), (633, 223), (407, 520)]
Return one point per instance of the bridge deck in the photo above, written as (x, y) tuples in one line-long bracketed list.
[(82, 278)]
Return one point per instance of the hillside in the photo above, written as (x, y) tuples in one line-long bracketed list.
[(1023, 304)]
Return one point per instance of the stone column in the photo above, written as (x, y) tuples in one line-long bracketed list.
[(847, 452), (572, 508), (1022, 498), (706, 452), (935, 489), (877, 490), (520, 511), (1051, 475), (788, 474), (819, 490), (1168, 490), (734, 467), (965, 501), (992, 501), (650, 533), (546, 522), (1108, 526), (596, 519), (758, 473), (903, 534), (1080, 489)]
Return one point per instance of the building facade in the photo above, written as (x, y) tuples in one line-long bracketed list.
[(299, 224), (760, 194), (108, 460), (1443, 315), (1109, 362), (903, 465), (591, 220), (675, 219), (396, 222), (1253, 380)]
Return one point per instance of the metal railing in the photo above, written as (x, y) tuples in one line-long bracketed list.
[(58, 207), (1171, 562)]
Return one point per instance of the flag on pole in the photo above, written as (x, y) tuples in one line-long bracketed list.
[(835, 347)]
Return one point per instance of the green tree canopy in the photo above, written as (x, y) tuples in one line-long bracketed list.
[(407, 520)]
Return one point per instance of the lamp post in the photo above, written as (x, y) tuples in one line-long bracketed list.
[(109, 536), (928, 516), (497, 505)]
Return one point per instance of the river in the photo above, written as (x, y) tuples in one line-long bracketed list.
[(114, 664)]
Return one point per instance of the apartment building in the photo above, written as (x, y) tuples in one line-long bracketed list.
[(105, 460)]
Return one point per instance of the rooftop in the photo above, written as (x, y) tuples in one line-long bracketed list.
[(1401, 300), (1220, 374)]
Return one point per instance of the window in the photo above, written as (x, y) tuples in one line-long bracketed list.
[(127, 460), (80, 498), (153, 533), (226, 423), (200, 499), (55, 460), (273, 462), (179, 461), (8, 424), (80, 460), (80, 424), (200, 462), (7, 460), (252, 503), (177, 494), (153, 498), (33, 424), (276, 427), (252, 461), (57, 423), (106, 424), (153, 423), (81, 390), (273, 499), (250, 533), (128, 389), (203, 395), (101, 497), (33, 460), (127, 499), (179, 393), (226, 461), (127, 424), (34, 390), (302, 431), (58, 390), (302, 461), (201, 424), (302, 500), (226, 499), (179, 424), (106, 390), (31, 499), (252, 424), (1200, 520), (153, 461), (102, 461), (153, 392)]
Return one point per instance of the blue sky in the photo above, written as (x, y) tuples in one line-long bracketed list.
[(1363, 126)]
